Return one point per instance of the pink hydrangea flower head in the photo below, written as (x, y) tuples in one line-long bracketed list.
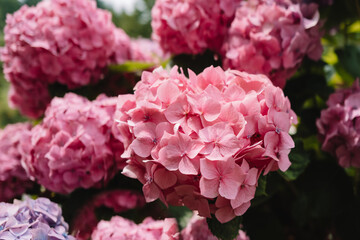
[(197, 229), (122, 47), (339, 126), (72, 147), (117, 200), (31, 98), (272, 38), (204, 137), (146, 50), (65, 41), (13, 178), (120, 228), (68, 41), (191, 26)]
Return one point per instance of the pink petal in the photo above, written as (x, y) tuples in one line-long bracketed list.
[(142, 147), (209, 188), (242, 209), (208, 169), (164, 179), (167, 92), (225, 214), (151, 192), (189, 166), (212, 110)]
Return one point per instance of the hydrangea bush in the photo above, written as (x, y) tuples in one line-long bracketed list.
[(207, 146)]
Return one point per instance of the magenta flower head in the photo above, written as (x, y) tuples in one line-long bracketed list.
[(13, 178), (197, 229), (339, 126), (119, 228), (64, 41), (191, 26), (32, 219), (272, 38), (72, 147), (206, 137)]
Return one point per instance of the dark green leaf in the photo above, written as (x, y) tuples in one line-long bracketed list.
[(224, 231), (261, 188), (349, 58), (182, 215)]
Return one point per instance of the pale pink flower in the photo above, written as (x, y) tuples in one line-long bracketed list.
[(220, 177), (197, 229), (122, 229), (181, 154), (220, 141), (146, 50)]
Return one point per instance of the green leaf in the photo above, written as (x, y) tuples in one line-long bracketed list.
[(224, 231), (349, 58), (261, 188), (299, 161), (182, 215), (130, 66)]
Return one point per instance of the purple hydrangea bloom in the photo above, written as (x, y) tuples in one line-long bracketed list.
[(30, 219)]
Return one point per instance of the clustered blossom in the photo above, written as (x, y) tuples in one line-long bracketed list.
[(203, 141), (197, 229), (119, 228), (146, 50), (13, 178), (272, 37), (64, 41), (73, 146), (32, 219), (191, 26), (339, 126), (117, 200)]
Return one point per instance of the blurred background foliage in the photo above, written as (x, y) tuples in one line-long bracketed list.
[(316, 198)]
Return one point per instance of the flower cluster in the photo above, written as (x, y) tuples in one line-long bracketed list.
[(32, 219), (272, 38), (117, 200), (191, 26), (13, 179), (121, 229), (197, 229), (206, 137), (146, 50), (339, 126), (73, 146), (64, 41)]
